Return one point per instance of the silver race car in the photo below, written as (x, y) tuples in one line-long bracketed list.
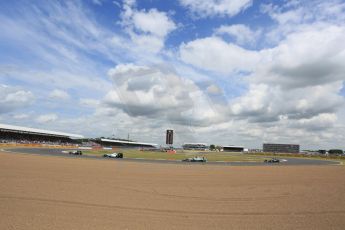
[(195, 159), (113, 155)]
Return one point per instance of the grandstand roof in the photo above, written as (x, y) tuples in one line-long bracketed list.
[(128, 142), (195, 144), (233, 146), (20, 129)]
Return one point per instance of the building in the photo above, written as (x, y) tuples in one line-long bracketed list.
[(18, 134), (195, 146), (280, 148), (232, 148)]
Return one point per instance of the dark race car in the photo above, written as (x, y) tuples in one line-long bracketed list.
[(195, 159), (76, 152), (273, 160)]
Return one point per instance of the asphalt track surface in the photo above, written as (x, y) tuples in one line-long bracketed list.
[(59, 153), (53, 193)]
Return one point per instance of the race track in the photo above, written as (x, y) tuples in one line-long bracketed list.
[(58, 153), (38, 191)]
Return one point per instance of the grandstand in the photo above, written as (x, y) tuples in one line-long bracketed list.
[(123, 143), (195, 146), (25, 135), (233, 148)]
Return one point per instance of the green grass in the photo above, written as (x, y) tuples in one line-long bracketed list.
[(317, 157), (211, 156)]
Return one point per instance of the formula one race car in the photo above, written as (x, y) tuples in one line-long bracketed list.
[(273, 160), (195, 159), (75, 152), (114, 155)]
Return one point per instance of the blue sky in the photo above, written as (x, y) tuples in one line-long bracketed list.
[(225, 72)]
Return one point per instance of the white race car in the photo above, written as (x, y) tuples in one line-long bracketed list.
[(114, 155), (196, 159)]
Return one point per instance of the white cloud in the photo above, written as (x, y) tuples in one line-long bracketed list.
[(293, 16), (301, 12), (293, 87), (56, 39), (314, 56), (88, 102), (292, 91), (320, 122), (269, 103), (283, 16), (215, 54), (152, 92), (208, 8), (298, 79), (12, 98), (59, 94), (20, 116), (46, 118), (243, 34), (98, 2), (44, 79), (147, 29), (154, 22), (213, 89), (148, 43)]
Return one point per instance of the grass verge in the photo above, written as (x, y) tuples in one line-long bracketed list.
[(180, 155)]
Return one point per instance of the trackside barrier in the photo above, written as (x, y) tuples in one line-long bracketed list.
[(85, 148), (171, 151), (9, 145)]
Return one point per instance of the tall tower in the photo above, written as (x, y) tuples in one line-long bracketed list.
[(169, 140)]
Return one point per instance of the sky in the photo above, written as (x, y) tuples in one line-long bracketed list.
[(224, 72)]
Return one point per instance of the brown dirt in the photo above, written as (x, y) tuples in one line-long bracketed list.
[(42, 192)]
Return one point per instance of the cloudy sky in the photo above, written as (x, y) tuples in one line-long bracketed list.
[(239, 72)]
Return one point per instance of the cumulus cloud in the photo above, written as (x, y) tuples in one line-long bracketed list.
[(59, 94), (154, 22), (12, 98), (20, 116), (293, 87), (46, 118), (314, 56), (214, 89), (154, 92), (147, 28), (267, 103), (209, 8), (242, 34), (213, 53), (323, 121), (292, 90), (88, 102), (149, 43), (299, 79)]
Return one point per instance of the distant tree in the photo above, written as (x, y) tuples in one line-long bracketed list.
[(335, 151), (219, 147), (212, 147), (322, 151)]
